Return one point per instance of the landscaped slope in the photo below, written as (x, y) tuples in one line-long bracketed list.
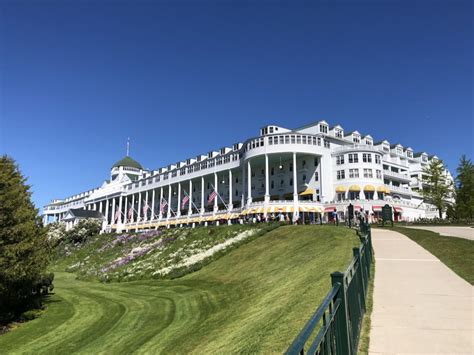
[(254, 299), (153, 254)]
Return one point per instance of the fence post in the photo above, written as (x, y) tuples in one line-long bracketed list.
[(343, 344), (361, 272)]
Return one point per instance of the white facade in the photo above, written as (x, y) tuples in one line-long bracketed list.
[(314, 169)]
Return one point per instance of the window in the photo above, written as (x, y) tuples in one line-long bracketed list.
[(303, 163), (354, 195), (323, 128), (338, 133), (369, 195), (368, 173), (316, 176), (272, 171), (399, 151), (386, 148), (291, 167), (316, 161), (353, 158), (341, 196), (378, 174), (340, 174), (367, 158), (368, 142), (356, 139), (272, 184), (291, 182), (353, 173), (377, 159), (340, 159), (303, 178)]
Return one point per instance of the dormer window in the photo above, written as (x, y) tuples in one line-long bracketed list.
[(271, 129), (386, 148), (368, 142), (338, 133), (409, 154), (399, 151), (356, 139), (323, 128), (424, 158)]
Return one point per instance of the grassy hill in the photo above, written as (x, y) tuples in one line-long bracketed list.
[(254, 299)]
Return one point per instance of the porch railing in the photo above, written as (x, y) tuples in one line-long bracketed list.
[(334, 328)]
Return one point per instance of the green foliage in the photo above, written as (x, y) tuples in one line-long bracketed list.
[(83, 230), (24, 252), (436, 189), (465, 189)]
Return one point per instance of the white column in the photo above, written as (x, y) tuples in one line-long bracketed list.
[(100, 207), (230, 190), (249, 183), (190, 194), (145, 215), (267, 180), (152, 205), (179, 199), (202, 195), (119, 221), (113, 212), (133, 209), (295, 185), (161, 200), (169, 201), (139, 212), (125, 215), (216, 188), (45, 220)]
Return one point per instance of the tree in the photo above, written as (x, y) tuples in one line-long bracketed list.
[(436, 189), (465, 189), (24, 251)]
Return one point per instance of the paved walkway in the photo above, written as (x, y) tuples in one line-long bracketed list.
[(450, 231), (420, 305)]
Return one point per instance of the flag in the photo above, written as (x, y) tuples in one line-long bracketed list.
[(163, 204), (145, 207), (185, 201), (117, 215), (130, 212), (212, 196)]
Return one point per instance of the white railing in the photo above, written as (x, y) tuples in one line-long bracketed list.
[(361, 147), (396, 175)]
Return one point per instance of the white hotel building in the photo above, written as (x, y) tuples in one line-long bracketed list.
[(312, 172)]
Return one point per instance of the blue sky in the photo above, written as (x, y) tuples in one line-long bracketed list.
[(184, 77)]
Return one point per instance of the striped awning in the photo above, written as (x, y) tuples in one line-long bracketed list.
[(340, 189), (398, 209), (376, 208), (330, 209), (354, 188), (308, 191), (369, 188), (313, 209)]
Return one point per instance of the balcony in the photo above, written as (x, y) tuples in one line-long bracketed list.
[(400, 189), (358, 147), (397, 176)]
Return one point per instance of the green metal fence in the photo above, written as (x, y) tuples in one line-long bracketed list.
[(335, 326)]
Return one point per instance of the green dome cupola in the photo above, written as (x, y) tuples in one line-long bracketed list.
[(128, 162)]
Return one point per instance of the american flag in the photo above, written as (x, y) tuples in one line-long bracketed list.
[(163, 204), (212, 196), (130, 212), (185, 201), (117, 215), (145, 207)]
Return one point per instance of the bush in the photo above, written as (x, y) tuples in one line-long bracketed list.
[(83, 230), (56, 233)]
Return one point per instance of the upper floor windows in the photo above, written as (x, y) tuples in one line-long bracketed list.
[(323, 128), (367, 158), (353, 173), (340, 174), (377, 159), (378, 174), (356, 139), (340, 159), (368, 173), (353, 158)]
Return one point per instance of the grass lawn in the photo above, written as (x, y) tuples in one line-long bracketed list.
[(254, 299), (456, 253)]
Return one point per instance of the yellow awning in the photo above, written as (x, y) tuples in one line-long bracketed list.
[(381, 188), (369, 188), (354, 188), (341, 189), (308, 191)]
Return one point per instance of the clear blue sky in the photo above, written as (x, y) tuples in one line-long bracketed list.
[(183, 77)]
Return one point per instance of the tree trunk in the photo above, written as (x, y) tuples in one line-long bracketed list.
[(440, 212)]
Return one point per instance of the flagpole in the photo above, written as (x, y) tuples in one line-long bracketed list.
[(197, 209), (218, 195)]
